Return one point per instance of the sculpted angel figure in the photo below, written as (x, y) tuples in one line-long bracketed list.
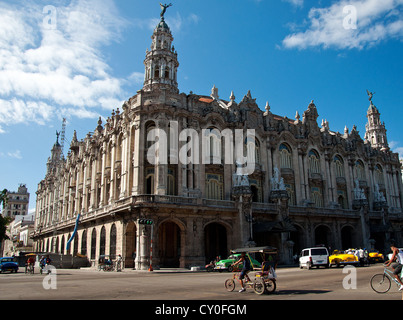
[(370, 95), (164, 8)]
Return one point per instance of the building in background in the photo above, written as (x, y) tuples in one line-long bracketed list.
[(17, 203), (310, 185), (20, 233)]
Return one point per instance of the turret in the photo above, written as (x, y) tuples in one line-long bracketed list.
[(375, 133), (161, 63)]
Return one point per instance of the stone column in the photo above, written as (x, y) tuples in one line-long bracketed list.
[(142, 260), (124, 166)]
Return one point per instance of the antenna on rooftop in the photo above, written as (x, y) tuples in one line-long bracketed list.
[(63, 135)]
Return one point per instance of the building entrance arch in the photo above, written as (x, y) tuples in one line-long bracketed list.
[(347, 233), (170, 245), (323, 236), (215, 241), (131, 232)]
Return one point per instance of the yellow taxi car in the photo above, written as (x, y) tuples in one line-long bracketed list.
[(375, 256), (340, 258)]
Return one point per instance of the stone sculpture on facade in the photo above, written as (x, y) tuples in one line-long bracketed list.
[(359, 193)]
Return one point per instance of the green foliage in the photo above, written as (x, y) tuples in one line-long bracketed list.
[(3, 197), (4, 221)]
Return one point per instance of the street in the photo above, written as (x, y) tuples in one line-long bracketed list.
[(292, 284)]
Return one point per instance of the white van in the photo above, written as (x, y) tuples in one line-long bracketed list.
[(314, 257)]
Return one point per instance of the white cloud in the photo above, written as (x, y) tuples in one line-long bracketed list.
[(47, 71), (395, 146), (15, 155), (376, 21)]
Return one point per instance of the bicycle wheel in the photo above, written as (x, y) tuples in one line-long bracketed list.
[(259, 286), (271, 285), (230, 285), (380, 283)]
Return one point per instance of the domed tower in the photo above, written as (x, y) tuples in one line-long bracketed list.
[(161, 63), (375, 133)]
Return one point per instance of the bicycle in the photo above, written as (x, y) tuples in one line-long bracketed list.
[(381, 282), (230, 284), (264, 283), (44, 268), (30, 268)]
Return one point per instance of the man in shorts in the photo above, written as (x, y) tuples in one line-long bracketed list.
[(245, 270), (397, 267)]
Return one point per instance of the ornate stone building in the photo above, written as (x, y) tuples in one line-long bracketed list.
[(309, 185)]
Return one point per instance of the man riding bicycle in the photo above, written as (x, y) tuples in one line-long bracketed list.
[(30, 263), (397, 267), (245, 270)]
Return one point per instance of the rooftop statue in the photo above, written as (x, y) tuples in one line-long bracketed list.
[(164, 8), (370, 95)]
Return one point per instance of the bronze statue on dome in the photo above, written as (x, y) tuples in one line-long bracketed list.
[(370, 95), (164, 8)]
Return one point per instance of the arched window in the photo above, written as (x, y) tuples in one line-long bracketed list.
[(102, 242), (256, 188), (62, 246), (314, 163), (379, 175), (359, 166), (338, 161), (150, 181), (285, 156), (84, 243), (316, 196), (214, 187), (112, 244), (75, 246), (167, 73), (157, 72), (150, 135), (342, 199), (212, 145), (93, 243), (171, 188)]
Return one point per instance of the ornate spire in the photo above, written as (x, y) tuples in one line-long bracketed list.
[(375, 132), (161, 63)]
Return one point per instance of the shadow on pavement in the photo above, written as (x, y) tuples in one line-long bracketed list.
[(288, 292)]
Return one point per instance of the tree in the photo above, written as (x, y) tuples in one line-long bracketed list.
[(3, 197), (4, 221)]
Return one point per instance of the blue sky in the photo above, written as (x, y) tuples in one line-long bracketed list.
[(80, 59)]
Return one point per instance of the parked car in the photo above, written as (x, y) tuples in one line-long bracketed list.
[(314, 257), (375, 256), (226, 264), (8, 264), (339, 258)]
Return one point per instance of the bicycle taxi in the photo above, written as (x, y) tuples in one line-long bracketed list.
[(105, 263), (264, 262), (30, 263)]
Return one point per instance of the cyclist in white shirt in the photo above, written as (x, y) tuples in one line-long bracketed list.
[(397, 267)]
